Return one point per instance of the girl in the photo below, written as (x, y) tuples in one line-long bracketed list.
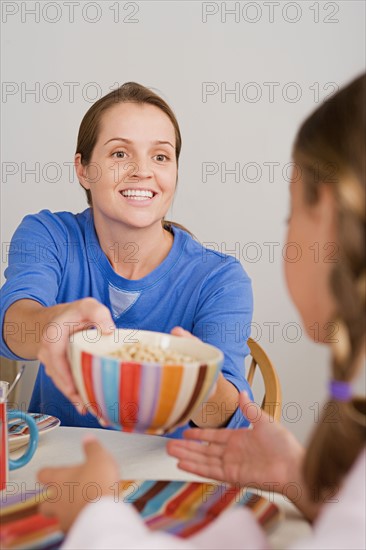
[(120, 264), (328, 205)]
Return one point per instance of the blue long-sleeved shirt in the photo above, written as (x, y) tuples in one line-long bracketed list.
[(56, 258)]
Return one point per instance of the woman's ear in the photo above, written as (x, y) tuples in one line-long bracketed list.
[(81, 172)]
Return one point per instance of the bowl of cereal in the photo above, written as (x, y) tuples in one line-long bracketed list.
[(142, 381)]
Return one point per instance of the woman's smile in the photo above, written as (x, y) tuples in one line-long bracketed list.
[(138, 197)]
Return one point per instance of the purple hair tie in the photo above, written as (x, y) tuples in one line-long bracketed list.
[(340, 391)]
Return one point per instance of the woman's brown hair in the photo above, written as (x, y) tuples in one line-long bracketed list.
[(130, 92), (330, 149)]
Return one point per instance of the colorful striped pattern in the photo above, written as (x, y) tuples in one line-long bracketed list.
[(141, 397), (179, 508), (35, 532), (22, 527), (184, 508), (18, 428)]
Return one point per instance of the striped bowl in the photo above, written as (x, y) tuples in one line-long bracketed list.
[(142, 397)]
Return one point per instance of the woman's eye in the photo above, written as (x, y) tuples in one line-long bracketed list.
[(119, 155), (161, 158)]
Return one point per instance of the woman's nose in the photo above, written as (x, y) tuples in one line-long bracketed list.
[(138, 169)]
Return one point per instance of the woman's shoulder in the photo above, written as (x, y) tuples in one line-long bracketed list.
[(209, 255), (54, 224)]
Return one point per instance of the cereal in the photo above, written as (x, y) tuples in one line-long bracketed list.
[(150, 354)]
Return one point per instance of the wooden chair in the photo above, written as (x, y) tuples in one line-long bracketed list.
[(272, 400)]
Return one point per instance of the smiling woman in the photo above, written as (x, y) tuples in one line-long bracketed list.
[(121, 264), (130, 178), (130, 92)]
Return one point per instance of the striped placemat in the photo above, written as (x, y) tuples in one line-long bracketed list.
[(176, 507), (184, 508)]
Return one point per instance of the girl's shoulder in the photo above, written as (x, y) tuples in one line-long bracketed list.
[(341, 522)]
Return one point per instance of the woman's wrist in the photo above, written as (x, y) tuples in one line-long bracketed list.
[(219, 408), (32, 324)]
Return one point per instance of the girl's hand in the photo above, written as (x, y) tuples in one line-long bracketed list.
[(76, 486), (267, 456)]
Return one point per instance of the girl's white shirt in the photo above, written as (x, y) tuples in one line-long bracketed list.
[(340, 526)]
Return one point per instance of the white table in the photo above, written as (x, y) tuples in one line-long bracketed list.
[(141, 457)]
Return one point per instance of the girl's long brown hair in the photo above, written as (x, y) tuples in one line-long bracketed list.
[(130, 92), (330, 149)]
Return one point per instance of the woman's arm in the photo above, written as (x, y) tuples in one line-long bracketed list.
[(33, 324), (33, 331), (220, 406), (26, 323), (223, 319), (210, 414)]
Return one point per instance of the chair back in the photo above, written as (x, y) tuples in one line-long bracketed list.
[(272, 400)]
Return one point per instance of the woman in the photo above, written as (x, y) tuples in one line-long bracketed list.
[(120, 264), (328, 206)]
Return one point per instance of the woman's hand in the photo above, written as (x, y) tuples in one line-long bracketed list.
[(267, 456), (179, 331), (54, 327), (76, 486)]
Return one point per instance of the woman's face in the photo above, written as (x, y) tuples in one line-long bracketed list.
[(133, 170), (310, 254)]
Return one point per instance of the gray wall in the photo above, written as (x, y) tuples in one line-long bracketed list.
[(280, 58)]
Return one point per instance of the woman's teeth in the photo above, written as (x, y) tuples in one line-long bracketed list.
[(137, 194)]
